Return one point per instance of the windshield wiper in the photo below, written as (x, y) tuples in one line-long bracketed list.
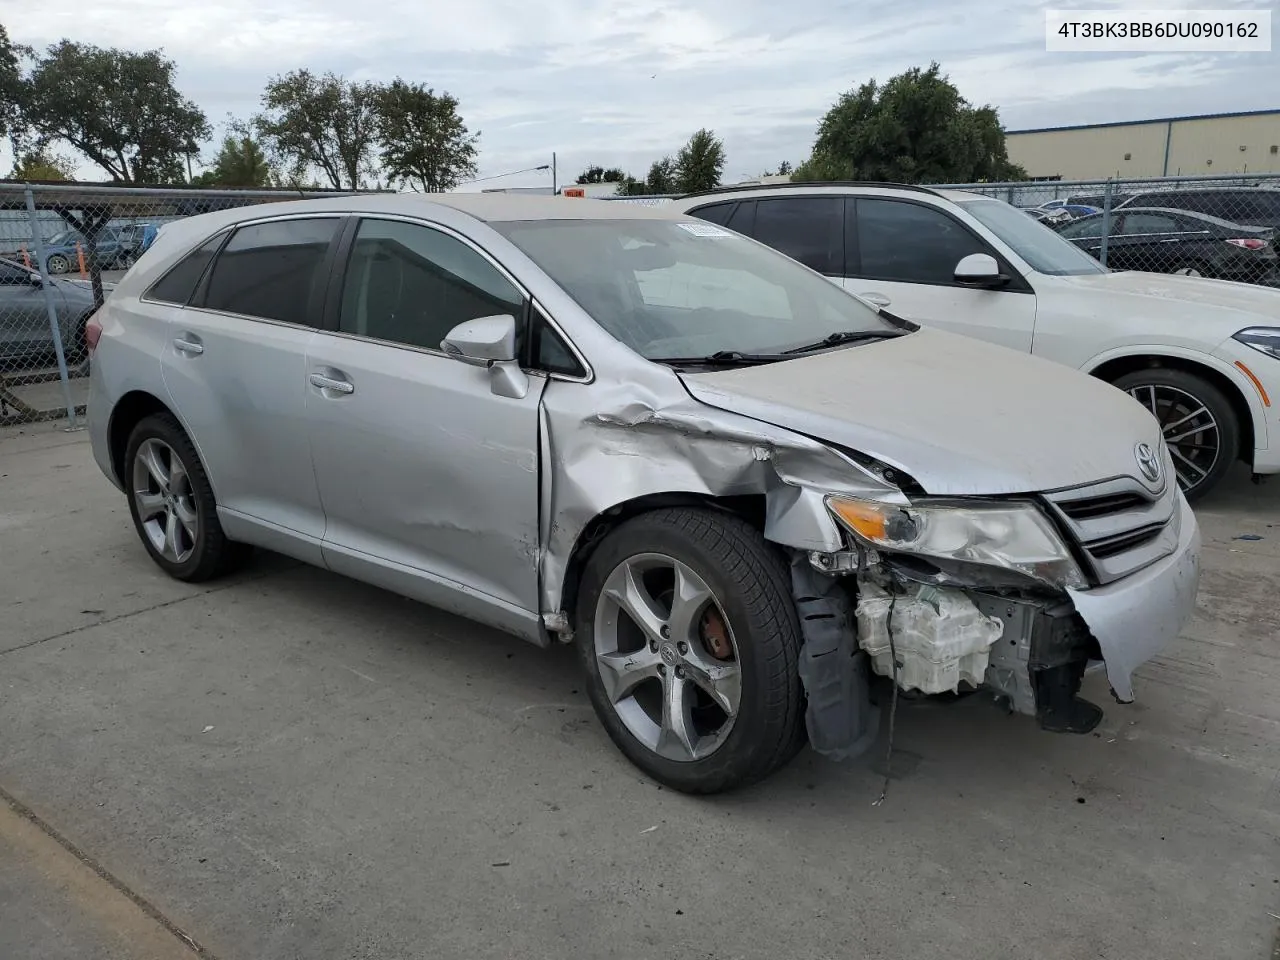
[(842, 337), (724, 358)]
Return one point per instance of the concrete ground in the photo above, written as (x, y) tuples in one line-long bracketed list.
[(292, 765)]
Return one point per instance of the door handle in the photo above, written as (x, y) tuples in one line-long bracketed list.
[(879, 299), (328, 383), (192, 347)]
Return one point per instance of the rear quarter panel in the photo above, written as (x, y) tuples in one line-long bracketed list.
[(127, 359)]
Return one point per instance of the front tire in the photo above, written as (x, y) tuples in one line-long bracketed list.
[(57, 263), (1197, 420), (688, 634), (172, 504)]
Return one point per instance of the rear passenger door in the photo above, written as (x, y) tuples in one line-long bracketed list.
[(234, 364), (903, 257), (1154, 243)]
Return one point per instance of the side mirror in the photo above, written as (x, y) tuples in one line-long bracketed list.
[(490, 342), (482, 342), (980, 270)]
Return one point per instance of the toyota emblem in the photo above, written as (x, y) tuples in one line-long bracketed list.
[(1148, 462)]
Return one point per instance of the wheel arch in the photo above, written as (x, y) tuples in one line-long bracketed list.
[(1114, 367), (128, 412), (749, 507)]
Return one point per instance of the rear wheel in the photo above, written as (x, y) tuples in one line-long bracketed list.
[(172, 503), (1198, 422), (1189, 270), (688, 634)]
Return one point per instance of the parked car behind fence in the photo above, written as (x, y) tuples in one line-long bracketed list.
[(1162, 240)]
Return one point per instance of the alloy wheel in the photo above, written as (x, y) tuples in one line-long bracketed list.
[(166, 505), (1189, 429), (667, 657)]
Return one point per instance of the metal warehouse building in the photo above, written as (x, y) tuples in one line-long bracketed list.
[(1225, 143)]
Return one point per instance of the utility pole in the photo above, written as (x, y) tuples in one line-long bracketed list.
[(554, 188)]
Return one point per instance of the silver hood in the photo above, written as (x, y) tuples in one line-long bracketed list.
[(961, 416)]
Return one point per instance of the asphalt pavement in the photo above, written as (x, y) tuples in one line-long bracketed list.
[(289, 765)]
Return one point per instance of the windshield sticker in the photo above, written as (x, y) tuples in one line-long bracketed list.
[(704, 230)]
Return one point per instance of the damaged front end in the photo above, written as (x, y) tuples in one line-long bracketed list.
[(957, 596)]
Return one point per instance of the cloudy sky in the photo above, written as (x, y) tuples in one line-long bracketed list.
[(620, 84)]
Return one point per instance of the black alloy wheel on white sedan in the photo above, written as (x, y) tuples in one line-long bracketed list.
[(1198, 423), (688, 634)]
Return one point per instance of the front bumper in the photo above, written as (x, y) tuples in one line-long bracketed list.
[(1135, 618)]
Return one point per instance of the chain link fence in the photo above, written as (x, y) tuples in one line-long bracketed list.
[(62, 248), (1224, 228)]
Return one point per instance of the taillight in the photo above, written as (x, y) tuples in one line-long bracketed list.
[(92, 332), (1249, 243)]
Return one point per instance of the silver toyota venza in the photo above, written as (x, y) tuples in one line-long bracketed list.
[(755, 503)]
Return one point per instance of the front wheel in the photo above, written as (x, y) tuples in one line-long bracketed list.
[(172, 505), (57, 263), (1198, 422), (688, 633)]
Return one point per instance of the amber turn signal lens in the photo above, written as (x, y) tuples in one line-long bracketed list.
[(865, 519)]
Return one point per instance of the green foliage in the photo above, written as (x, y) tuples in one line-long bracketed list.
[(662, 176), (119, 109), (423, 139), (320, 121), (700, 163), (41, 165), (13, 88), (241, 162), (916, 128)]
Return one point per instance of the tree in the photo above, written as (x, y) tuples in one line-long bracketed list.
[(240, 162), (13, 87), (699, 163), (662, 176), (423, 138), (916, 128), (311, 121), (120, 109), (40, 165)]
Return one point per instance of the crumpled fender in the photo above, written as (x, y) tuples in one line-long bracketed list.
[(628, 442)]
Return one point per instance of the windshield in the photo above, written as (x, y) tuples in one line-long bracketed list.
[(671, 289), (1043, 249)]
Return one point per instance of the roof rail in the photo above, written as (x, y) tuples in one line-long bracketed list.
[(809, 183)]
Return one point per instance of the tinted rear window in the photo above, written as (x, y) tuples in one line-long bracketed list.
[(180, 282), (269, 270)]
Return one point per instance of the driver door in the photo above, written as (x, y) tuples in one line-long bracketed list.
[(903, 257)]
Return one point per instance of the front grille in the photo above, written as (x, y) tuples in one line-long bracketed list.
[(1114, 546), (1090, 507), (1118, 525)]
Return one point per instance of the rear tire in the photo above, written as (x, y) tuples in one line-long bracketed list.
[(735, 590), (1172, 396), (172, 503)]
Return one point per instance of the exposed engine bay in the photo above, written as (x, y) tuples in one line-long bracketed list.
[(865, 616)]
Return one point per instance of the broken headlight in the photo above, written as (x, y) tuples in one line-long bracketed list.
[(1016, 536)]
